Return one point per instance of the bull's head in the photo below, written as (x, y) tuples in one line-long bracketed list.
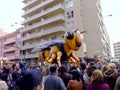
[(73, 39)]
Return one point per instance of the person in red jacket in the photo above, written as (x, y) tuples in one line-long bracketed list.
[(76, 82)]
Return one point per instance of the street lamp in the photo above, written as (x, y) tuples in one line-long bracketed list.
[(110, 15)]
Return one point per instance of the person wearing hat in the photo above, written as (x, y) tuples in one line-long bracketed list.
[(31, 80)]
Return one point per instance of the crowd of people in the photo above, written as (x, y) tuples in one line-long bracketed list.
[(88, 76)]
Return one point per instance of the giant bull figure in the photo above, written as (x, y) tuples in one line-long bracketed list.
[(61, 52)]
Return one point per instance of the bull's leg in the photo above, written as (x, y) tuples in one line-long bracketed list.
[(51, 58), (76, 59), (69, 61), (73, 60), (53, 52), (47, 58), (59, 55)]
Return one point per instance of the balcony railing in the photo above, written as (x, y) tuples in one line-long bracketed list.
[(31, 56), (37, 7), (9, 49), (44, 32), (44, 22), (30, 2), (11, 57), (44, 12), (10, 41), (28, 46)]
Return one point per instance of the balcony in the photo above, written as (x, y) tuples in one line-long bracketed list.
[(30, 3), (57, 8), (28, 46), (44, 32), (29, 56), (10, 41), (10, 49), (37, 7), (45, 22), (11, 57)]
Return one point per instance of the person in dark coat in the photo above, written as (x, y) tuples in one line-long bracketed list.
[(31, 80), (63, 75), (5, 74), (117, 84), (97, 83), (15, 74), (86, 79), (52, 81)]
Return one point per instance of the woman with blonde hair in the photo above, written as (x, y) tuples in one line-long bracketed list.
[(96, 82), (110, 75)]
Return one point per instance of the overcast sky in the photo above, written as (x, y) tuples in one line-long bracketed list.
[(112, 23), (11, 12)]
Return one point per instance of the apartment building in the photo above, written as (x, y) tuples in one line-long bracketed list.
[(116, 47), (10, 49), (97, 39), (49, 19)]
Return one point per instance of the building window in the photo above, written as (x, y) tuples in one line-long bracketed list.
[(70, 25), (70, 14), (69, 4)]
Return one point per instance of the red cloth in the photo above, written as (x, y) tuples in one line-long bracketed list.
[(75, 85)]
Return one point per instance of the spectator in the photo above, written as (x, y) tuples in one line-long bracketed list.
[(97, 82), (15, 74), (110, 75), (5, 74), (22, 66), (90, 70), (3, 85), (85, 77), (76, 82), (64, 75), (117, 84), (104, 68), (31, 80), (73, 68), (52, 81)]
